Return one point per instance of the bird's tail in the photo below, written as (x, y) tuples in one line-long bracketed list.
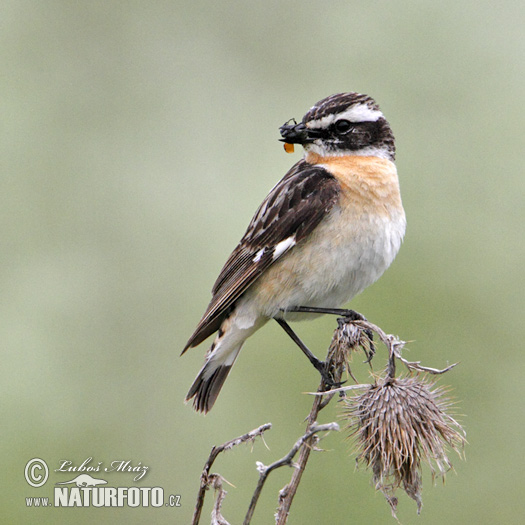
[(210, 379)]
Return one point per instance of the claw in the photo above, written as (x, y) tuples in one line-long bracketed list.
[(372, 347), (328, 379)]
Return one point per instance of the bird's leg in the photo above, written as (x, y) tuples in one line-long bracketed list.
[(351, 315), (346, 314), (320, 366)]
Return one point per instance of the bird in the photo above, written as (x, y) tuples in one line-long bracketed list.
[(325, 232)]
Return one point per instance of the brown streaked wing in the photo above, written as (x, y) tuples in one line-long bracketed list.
[(293, 208)]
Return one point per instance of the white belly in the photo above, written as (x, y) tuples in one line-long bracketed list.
[(356, 258), (340, 259)]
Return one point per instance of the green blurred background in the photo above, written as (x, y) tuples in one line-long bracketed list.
[(127, 131)]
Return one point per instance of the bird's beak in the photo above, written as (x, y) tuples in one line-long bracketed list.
[(296, 133)]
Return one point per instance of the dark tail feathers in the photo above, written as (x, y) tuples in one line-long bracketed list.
[(205, 390)]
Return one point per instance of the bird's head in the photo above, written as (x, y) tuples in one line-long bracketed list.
[(343, 124)]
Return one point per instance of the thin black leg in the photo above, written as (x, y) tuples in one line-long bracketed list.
[(295, 338), (319, 365), (350, 315)]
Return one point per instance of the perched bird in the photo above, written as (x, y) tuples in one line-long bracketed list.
[(325, 232)]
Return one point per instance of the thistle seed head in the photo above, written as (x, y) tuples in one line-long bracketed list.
[(397, 423), (347, 338)]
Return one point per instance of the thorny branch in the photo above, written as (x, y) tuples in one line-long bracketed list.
[(208, 479), (336, 362), (394, 346), (286, 460)]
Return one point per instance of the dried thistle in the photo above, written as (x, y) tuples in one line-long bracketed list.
[(349, 337), (398, 423)]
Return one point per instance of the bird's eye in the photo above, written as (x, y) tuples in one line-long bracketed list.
[(343, 126)]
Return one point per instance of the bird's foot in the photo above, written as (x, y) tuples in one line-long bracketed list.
[(327, 374)]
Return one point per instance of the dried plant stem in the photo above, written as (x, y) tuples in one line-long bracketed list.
[(286, 460), (207, 479), (288, 492), (394, 346)]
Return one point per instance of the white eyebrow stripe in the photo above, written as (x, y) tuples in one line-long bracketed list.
[(281, 247), (359, 113)]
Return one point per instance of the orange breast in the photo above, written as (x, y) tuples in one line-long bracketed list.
[(369, 184)]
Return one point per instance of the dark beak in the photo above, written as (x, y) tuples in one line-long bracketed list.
[(296, 133)]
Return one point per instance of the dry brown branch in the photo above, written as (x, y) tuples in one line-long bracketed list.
[(336, 361), (394, 346), (264, 470), (217, 518), (208, 479)]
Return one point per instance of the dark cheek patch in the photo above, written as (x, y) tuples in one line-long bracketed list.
[(363, 134)]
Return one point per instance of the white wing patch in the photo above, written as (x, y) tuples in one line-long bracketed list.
[(258, 255), (281, 247)]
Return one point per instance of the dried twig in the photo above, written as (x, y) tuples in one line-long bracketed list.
[(336, 363), (216, 514), (208, 479), (394, 346), (286, 460)]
